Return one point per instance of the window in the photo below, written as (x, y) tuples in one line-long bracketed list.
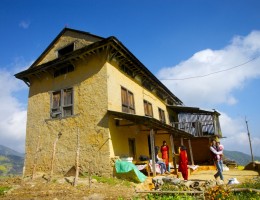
[(127, 70), (63, 70), (62, 103), (148, 109), (161, 115), (66, 50), (128, 105)]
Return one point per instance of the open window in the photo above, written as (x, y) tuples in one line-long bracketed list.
[(63, 70), (62, 103), (65, 50)]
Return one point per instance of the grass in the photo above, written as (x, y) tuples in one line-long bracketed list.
[(3, 190), (253, 183), (112, 181)]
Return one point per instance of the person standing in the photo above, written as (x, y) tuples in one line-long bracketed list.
[(220, 147), (214, 152), (165, 154), (183, 162)]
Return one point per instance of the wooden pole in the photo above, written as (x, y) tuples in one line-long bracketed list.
[(36, 157), (252, 157), (173, 153), (53, 153), (152, 150), (181, 141), (77, 160), (89, 175), (191, 154)]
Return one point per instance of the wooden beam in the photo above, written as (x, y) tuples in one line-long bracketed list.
[(191, 154), (173, 154), (181, 140), (152, 150)]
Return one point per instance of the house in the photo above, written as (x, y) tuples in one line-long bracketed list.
[(90, 98)]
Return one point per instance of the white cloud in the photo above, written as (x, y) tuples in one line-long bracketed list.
[(235, 131), (217, 88), (24, 24), (12, 112)]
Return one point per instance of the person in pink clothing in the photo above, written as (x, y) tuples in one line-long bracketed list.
[(220, 147)]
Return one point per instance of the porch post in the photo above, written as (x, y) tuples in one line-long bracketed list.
[(181, 140), (152, 150), (191, 154), (215, 125), (173, 154)]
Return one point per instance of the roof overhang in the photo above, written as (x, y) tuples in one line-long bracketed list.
[(150, 123), (120, 52), (192, 110)]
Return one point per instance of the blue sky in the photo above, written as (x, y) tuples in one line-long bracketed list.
[(173, 39)]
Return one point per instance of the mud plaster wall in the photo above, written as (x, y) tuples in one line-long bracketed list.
[(90, 121), (120, 134), (79, 40), (118, 79)]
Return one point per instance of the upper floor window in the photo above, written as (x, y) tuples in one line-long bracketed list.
[(62, 103), (148, 109), (161, 115), (127, 70), (63, 70), (67, 49), (128, 104)]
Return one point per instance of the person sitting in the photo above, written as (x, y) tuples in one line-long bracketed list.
[(160, 162)]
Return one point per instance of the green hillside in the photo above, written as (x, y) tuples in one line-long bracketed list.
[(239, 157), (11, 162)]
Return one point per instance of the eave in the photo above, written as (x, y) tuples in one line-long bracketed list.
[(150, 123), (192, 110), (115, 50)]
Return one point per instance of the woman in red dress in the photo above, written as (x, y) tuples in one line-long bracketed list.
[(165, 154), (183, 162)]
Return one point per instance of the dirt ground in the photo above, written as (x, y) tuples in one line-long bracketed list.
[(60, 188)]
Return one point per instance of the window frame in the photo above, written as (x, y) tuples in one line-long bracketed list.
[(127, 101), (60, 110), (161, 115), (148, 108)]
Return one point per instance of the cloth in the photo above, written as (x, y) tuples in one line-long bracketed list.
[(183, 164), (162, 166), (128, 171), (165, 153)]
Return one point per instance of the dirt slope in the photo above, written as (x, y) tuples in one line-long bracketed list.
[(60, 188)]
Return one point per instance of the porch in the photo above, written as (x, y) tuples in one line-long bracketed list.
[(176, 134)]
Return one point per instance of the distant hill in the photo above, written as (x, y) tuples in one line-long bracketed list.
[(239, 157), (7, 151), (11, 162)]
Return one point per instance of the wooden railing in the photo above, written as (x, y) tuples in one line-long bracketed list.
[(198, 128)]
